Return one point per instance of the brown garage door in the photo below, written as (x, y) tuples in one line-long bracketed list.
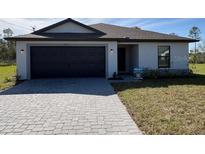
[(67, 61)]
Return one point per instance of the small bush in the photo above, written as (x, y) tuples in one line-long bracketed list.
[(17, 77), (115, 76), (7, 62), (190, 73), (7, 79), (155, 74), (150, 74)]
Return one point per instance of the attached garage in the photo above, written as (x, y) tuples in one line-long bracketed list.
[(67, 61), (72, 49)]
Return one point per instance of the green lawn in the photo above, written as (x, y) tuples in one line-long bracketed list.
[(7, 73), (169, 106), (198, 68), (166, 106)]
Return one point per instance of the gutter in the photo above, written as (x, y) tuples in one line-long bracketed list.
[(101, 39)]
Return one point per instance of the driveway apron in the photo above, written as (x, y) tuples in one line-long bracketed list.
[(64, 106)]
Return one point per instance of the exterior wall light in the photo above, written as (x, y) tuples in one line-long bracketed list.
[(111, 50), (22, 51)]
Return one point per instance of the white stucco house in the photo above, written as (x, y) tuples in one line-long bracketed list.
[(72, 49)]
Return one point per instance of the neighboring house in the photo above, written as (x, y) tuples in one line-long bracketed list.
[(72, 49)]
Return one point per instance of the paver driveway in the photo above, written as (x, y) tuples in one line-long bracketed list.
[(64, 106)]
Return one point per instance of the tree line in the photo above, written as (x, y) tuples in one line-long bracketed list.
[(198, 54), (7, 48)]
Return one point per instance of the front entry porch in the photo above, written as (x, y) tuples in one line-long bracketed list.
[(127, 58)]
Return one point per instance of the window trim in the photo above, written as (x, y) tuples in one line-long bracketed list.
[(169, 62)]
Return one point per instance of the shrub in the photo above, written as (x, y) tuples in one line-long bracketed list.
[(154, 74), (7, 79), (191, 71), (114, 75), (150, 74), (17, 77)]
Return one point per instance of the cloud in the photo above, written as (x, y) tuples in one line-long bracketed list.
[(128, 22), (115, 21), (90, 21), (164, 22), (24, 25)]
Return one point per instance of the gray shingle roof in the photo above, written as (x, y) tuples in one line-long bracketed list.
[(112, 32)]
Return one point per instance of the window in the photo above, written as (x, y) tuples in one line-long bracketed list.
[(163, 56)]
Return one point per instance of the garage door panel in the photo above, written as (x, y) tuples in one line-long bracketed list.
[(68, 61)]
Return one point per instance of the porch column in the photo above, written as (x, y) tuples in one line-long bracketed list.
[(112, 59)]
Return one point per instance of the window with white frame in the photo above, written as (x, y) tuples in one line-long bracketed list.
[(163, 56)]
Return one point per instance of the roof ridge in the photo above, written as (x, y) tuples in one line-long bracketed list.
[(111, 25)]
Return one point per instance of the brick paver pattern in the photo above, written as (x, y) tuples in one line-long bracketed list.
[(64, 106)]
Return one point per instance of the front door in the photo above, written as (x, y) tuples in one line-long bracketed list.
[(121, 60)]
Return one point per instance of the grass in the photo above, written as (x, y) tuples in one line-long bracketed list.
[(198, 68), (166, 106), (7, 73)]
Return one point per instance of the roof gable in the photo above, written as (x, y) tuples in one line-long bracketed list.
[(68, 26)]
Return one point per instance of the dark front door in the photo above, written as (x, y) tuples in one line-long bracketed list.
[(67, 61), (121, 60)]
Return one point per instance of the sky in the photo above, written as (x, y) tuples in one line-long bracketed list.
[(178, 26)]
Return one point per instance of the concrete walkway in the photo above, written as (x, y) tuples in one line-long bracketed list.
[(64, 106)]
